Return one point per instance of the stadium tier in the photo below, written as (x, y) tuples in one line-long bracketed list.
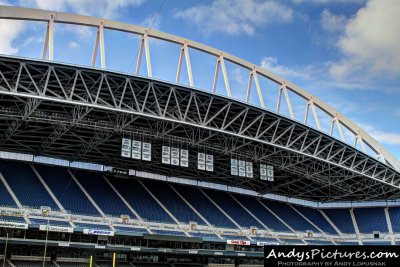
[(97, 201)]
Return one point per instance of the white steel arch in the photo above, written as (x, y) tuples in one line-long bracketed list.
[(312, 102)]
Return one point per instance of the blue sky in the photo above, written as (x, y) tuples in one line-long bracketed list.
[(347, 52)]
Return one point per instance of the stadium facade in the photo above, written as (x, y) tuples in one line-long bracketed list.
[(140, 171)]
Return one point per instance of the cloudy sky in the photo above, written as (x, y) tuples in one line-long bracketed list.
[(347, 52)]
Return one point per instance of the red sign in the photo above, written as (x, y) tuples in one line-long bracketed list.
[(238, 242)]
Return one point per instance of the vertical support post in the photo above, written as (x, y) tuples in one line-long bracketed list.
[(278, 104), (113, 262), (46, 42), (91, 261), (140, 55), (249, 86), (306, 113), (225, 74), (95, 48), (188, 64), (314, 111), (102, 47), (260, 96), (288, 102), (147, 52), (331, 127), (178, 71), (49, 40), (216, 75)]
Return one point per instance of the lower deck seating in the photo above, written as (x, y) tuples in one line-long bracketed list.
[(73, 264), (37, 222), (167, 232), (92, 226), (18, 263), (17, 219), (130, 230)]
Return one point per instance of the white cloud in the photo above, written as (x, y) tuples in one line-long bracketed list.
[(235, 17), (389, 138), (331, 22), (153, 21), (73, 45), (9, 32), (100, 8), (324, 2), (370, 43), (271, 64)]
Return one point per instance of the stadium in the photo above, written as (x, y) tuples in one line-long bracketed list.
[(105, 168)]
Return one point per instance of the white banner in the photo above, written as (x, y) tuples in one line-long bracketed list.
[(98, 232), (184, 158), (52, 228), (175, 156), (209, 163), (166, 155), (249, 169), (126, 148), (136, 149), (201, 161), (14, 225), (238, 242), (234, 167), (242, 168), (263, 243), (263, 172), (270, 173), (146, 151)]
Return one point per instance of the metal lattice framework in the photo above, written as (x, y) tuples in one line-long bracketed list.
[(81, 113)]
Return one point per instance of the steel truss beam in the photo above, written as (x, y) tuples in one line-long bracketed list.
[(81, 114)]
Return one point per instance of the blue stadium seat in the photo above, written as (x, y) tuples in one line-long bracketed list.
[(233, 209), (292, 241), (262, 213), (265, 239), (16, 219), (143, 203), (5, 198), (318, 242), (394, 214), (317, 218), (92, 226), (377, 243), (101, 192), (173, 202), (168, 232), (66, 190), (207, 209), (204, 235), (371, 219), (234, 237), (130, 230), (22, 179), (342, 219), (291, 217), (37, 222)]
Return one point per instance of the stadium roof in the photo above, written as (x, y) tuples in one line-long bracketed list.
[(82, 113)]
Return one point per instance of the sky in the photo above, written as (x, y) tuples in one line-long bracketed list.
[(346, 52)]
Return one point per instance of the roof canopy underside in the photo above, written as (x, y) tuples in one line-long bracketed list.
[(82, 114)]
